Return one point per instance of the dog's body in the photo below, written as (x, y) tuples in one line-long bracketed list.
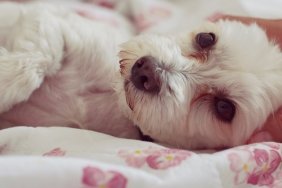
[(196, 90), (59, 69)]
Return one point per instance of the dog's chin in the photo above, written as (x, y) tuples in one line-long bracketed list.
[(127, 108), (128, 97), (128, 104)]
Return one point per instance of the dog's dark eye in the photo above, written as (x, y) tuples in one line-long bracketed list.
[(224, 109), (205, 40)]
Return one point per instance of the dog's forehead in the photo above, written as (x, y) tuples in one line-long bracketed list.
[(233, 63), (241, 48)]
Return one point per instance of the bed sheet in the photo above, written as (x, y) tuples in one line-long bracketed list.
[(60, 157)]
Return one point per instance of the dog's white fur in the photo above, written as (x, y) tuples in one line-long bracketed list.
[(243, 66), (57, 68)]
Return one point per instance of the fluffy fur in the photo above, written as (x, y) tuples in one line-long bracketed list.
[(57, 68), (243, 66)]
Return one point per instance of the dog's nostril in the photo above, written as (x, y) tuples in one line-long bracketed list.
[(205, 40), (143, 79), (144, 75)]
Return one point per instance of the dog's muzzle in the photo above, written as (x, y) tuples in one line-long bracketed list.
[(144, 75)]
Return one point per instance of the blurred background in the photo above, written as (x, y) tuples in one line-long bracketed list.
[(165, 16)]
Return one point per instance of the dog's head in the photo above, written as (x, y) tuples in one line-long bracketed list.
[(212, 87)]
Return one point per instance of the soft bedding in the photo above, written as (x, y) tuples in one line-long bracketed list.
[(64, 157)]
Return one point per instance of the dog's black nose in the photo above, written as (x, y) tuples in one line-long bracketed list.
[(144, 74), (205, 40)]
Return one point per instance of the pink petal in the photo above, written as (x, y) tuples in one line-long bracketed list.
[(266, 179), (154, 157), (159, 161), (161, 164), (236, 162), (132, 159), (253, 179), (261, 156), (275, 160), (153, 162), (118, 181), (260, 178), (92, 176), (136, 161)]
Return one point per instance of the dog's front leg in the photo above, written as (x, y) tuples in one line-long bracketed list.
[(34, 50), (20, 75)]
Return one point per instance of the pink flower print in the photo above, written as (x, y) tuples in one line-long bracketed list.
[(267, 163), (156, 158), (166, 158), (272, 145), (96, 178), (242, 165), (278, 179), (255, 167), (55, 152), (135, 158)]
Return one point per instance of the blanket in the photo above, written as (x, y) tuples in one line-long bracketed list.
[(60, 157)]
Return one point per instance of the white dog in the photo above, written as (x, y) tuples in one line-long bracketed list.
[(212, 87)]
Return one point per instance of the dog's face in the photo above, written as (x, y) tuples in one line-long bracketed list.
[(210, 88)]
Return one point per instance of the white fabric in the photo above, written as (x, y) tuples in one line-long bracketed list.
[(56, 157)]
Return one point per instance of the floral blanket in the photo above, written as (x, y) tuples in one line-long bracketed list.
[(72, 158)]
